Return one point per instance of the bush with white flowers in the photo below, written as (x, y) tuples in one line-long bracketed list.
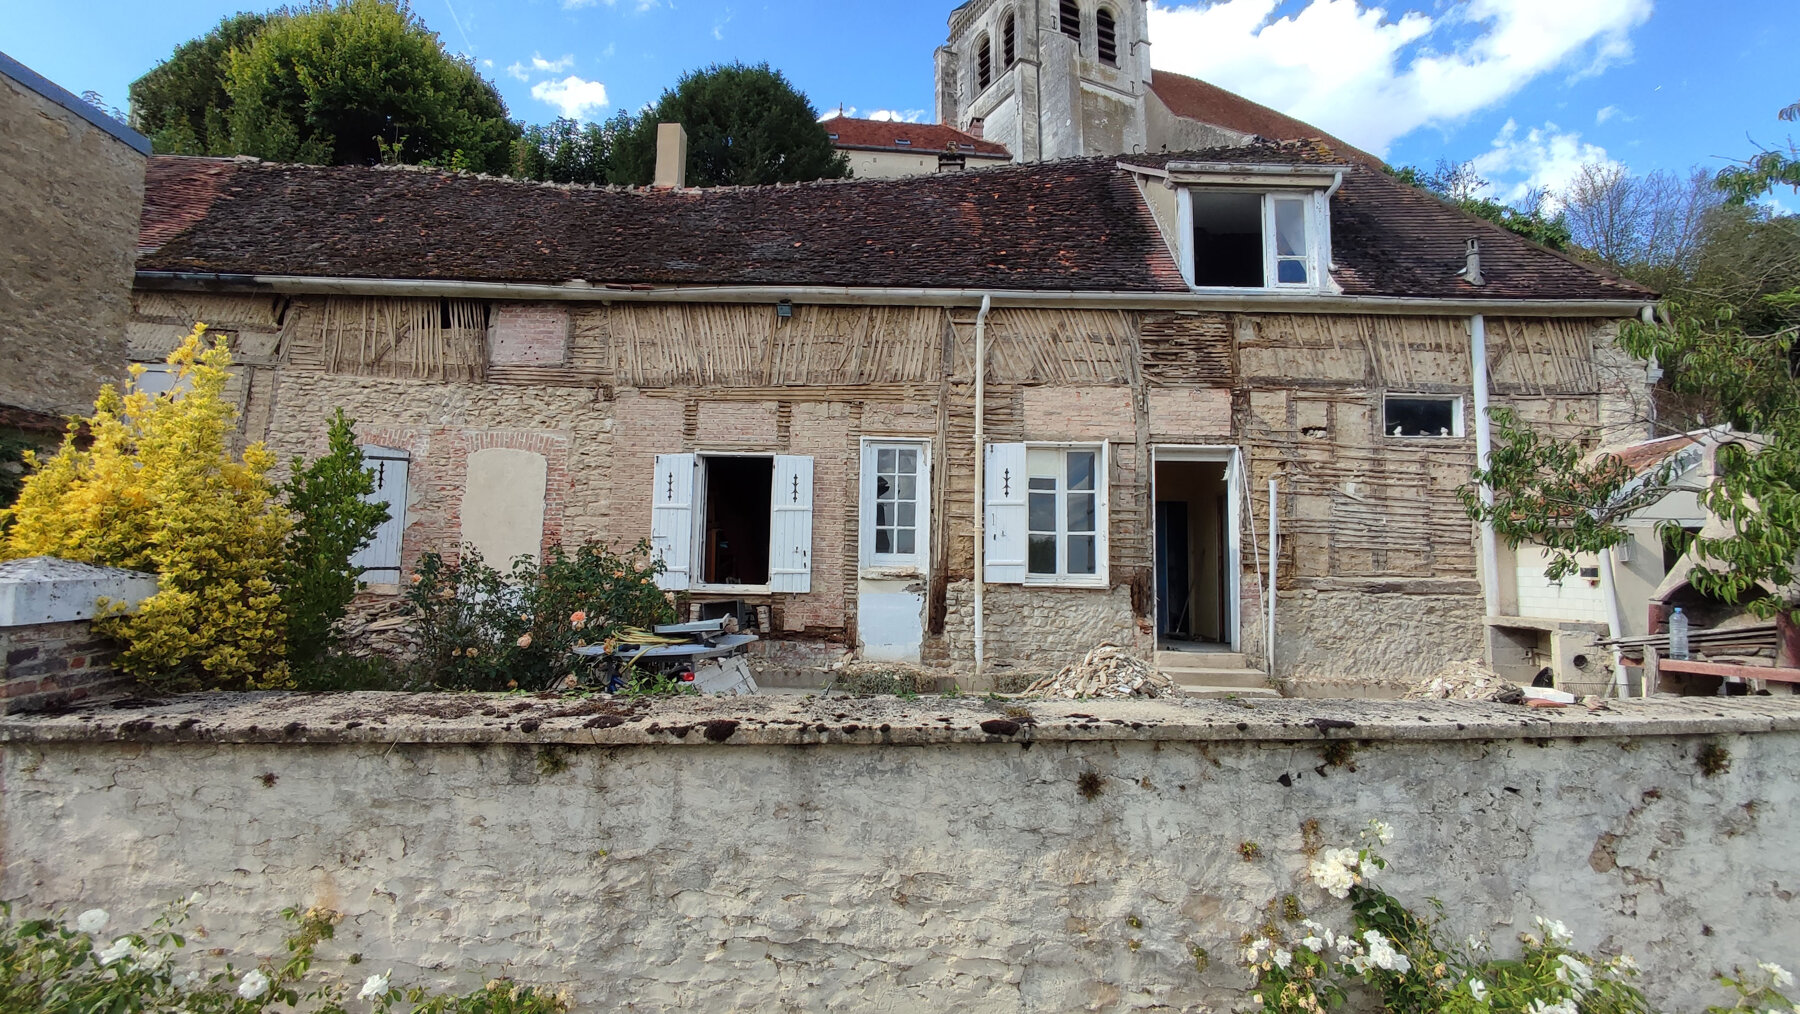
[(48, 967)]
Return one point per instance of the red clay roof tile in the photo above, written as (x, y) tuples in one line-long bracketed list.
[(886, 135)]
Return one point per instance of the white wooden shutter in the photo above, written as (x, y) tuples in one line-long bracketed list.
[(672, 520), (791, 524), (379, 561), (1004, 552)]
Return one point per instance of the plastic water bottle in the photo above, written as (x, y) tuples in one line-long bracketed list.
[(1678, 635)]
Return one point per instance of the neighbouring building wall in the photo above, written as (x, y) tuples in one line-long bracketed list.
[(70, 193), (867, 165), (767, 855)]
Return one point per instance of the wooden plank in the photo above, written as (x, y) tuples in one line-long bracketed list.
[(1777, 674)]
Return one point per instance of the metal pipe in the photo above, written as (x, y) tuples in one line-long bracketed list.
[(1274, 541), (987, 305), (1484, 450), (828, 295)]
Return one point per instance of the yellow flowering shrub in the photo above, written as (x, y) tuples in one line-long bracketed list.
[(159, 490)]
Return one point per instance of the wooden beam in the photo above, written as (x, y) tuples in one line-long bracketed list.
[(1777, 674)]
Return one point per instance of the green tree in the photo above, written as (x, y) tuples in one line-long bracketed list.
[(1459, 184), (354, 82), (332, 523), (567, 151), (181, 104), (745, 126), (1765, 171)]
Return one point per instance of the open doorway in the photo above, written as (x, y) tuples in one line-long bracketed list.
[(1196, 549), (735, 541)]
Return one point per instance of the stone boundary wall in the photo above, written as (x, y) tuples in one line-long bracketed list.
[(947, 854)]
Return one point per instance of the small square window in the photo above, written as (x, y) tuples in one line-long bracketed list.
[(1421, 416)]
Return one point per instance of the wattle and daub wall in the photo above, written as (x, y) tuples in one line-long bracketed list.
[(1372, 529), (958, 855)]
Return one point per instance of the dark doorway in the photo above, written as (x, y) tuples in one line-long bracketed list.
[(1174, 589), (736, 540), (1193, 586)]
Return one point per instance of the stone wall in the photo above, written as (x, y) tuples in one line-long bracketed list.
[(859, 855), (70, 193)]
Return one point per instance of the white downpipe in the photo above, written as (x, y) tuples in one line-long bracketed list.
[(1484, 450), (1274, 541), (1615, 623), (987, 304)]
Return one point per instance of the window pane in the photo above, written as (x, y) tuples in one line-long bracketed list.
[(1081, 512), (1043, 512), (908, 487), (1293, 272), (884, 540), (909, 461), (1228, 238), (1081, 554), (1081, 469), (1042, 482), (904, 540), (1043, 463), (884, 514), (1420, 417), (1290, 227), (884, 459), (908, 512), (1042, 556), (883, 488)]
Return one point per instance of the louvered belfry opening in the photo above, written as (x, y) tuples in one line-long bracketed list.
[(984, 63), (1009, 48), (1071, 19), (1106, 34)]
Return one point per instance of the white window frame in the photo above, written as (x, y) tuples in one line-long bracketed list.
[(697, 538), (1100, 578), (1457, 427), (1318, 242), (780, 582), (918, 561)]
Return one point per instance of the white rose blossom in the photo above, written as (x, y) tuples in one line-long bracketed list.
[(1559, 1007), (1574, 973), (1383, 955), (254, 985), (1380, 832), (93, 920), (1478, 990), (119, 951), (1283, 958), (1780, 976), (1555, 932), (1335, 871), (374, 986)]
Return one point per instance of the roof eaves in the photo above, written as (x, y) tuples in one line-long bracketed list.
[(56, 93)]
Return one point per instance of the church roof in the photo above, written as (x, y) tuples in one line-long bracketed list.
[(887, 135), (1072, 225), (1194, 99)]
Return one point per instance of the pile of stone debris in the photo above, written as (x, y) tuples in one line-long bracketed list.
[(1467, 680), (1107, 671)]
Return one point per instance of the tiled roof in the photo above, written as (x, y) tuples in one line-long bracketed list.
[(1078, 224), (1195, 99), (886, 135), (1392, 239), (1641, 457), (1073, 225)]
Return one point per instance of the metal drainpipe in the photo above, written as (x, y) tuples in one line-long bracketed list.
[(1274, 563), (1484, 449), (987, 305)]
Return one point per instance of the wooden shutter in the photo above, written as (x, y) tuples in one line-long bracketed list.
[(1004, 552), (791, 524), (672, 520), (379, 561)]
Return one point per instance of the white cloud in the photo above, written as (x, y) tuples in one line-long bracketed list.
[(640, 5), (489, 64), (1369, 78), (1605, 113), (1544, 157), (885, 115), (552, 66), (576, 98), (519, 71)]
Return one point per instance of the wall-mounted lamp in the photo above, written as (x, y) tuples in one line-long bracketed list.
[(784, 309)]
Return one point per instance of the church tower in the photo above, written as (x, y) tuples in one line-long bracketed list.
[(1048, 78)]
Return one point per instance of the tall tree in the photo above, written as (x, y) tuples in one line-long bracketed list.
[(567, 151), (354, 82), (745, 126), (1459, 183), (181, 104)]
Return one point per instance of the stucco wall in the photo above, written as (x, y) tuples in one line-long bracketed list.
[(786, 855), (70, 194)]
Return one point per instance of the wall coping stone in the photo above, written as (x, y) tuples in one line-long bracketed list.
[(781, 720), (45, 589)]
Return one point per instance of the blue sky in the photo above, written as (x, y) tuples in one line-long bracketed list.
[(1528, 88)]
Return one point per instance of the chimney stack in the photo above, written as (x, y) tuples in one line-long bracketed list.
[(975, 128), (671, 156)]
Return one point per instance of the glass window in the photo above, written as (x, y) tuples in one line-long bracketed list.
[(1422, 417), (896, 499), (1251, 240), (1292, 253), (1063, 512)]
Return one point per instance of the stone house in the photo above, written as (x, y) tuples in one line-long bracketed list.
[(879, 149), (71, 187), (778, 387)]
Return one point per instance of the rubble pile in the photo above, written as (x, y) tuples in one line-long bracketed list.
[(1466, 680), (1107, 671), (377, 626)]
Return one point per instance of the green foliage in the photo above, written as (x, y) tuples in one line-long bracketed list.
[(180, 105), (478, 629), (49, 967), (1549, 491), (158, 489), (326, 83), (12, 468), (332, 523), (1460, 185), (745, 126), (567, 151)]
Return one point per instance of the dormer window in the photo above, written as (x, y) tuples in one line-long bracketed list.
[(1254, 226)]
